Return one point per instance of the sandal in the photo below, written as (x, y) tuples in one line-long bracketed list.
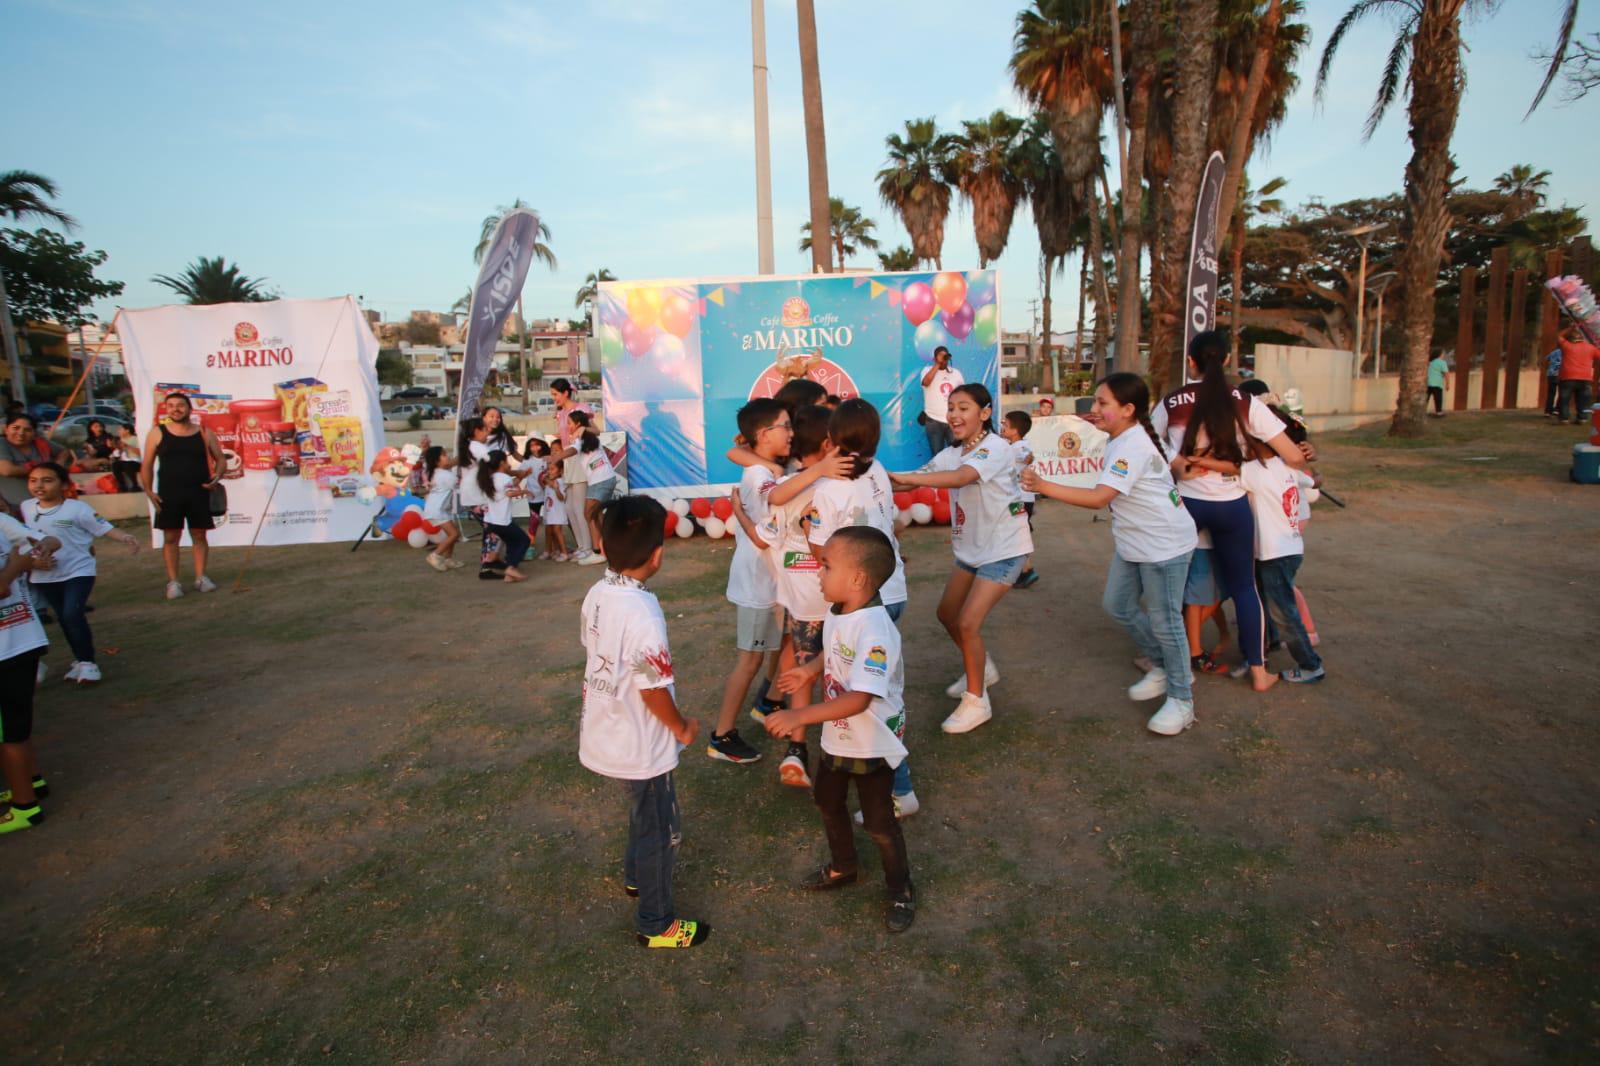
[(824, 879), (1205, 664)]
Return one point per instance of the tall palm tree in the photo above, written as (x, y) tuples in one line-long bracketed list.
[(849, 231), (989, 166), (1061, 63), (24, 195), (1250, 204), (915, 183), (899, 258), (1426, 55), (816, 129), (541, 252), (1057, 206), (213, 281), (1258, 52), (589, 291), (1525, 187)]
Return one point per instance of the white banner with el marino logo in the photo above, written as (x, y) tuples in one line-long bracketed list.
[(290, 390)]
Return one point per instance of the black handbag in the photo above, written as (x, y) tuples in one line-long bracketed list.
[(219, 500)]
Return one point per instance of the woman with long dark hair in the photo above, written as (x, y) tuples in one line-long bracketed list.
[(1206, 424)]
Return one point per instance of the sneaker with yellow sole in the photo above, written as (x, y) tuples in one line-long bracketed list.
[(680, 934)]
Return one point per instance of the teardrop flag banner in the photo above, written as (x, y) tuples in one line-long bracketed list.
[(1200, 302), (505, 267)]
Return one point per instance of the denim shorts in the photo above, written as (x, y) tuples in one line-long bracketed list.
[(1201, 586), (601, 491), (1002, 572)]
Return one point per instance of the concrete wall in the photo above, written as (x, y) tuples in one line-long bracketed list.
[(1332, 398)]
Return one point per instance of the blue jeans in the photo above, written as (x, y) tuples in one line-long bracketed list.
[(1233, 552), (902, 773), (1156, 628), (68, 599), (654, 830), (939, 437), (1277, 588)]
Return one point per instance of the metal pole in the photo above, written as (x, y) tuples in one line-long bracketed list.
[(8, 334), (522, 347), (1361, 301), (758, 73), (88, 368), (1377, 340)]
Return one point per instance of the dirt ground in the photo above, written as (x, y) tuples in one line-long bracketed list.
[(339, 817)]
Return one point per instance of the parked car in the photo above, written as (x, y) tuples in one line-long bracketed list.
[(414, 392), (44, 412), (406, 410), (110, 408), (446, 413), (74, 429)]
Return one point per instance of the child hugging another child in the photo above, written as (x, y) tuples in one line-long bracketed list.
[(1281, 498), (991, 539), (440, 506), (1154, 538), (632, 730), (499, 488), (862, 715)]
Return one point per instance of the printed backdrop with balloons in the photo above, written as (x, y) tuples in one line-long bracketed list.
[(679, 358)]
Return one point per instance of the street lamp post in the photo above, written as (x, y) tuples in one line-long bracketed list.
[(1363, 234), (1380, 282)]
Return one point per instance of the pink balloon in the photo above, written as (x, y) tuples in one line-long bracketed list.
[(637, 339), (917, 302), (959, 322)]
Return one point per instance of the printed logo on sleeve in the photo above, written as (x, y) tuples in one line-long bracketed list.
[(1119, 468), (654, 666), (877, 659), (801, 562)]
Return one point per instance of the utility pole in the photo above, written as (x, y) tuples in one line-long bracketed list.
[(758, 70)]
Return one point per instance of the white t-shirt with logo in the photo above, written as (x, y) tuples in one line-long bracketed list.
[(1276, 503), (530, 468), (861, 653), (866, 501), (555, 508), (936, 394), (750, 582), (1021, 458), (499, 508), (471, 494), (1149, 523), (437, 507), (20, 630), (987, 521), (1258, 419), (75, 524), (796, 570), (596, 464), (625, 642)]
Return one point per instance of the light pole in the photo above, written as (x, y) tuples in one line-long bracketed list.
[(1363, 234), (1379, 283), (758, 68)]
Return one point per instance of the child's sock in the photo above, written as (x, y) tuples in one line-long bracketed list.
[(761, 693)]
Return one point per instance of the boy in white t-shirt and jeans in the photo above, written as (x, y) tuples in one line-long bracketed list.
[(632, 729), (862, 715), (1015, 428)]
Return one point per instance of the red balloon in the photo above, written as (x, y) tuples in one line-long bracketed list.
[(903, 501), (700, 507), (672, 522), (637, 339), (722, 507), (925, 495), (917, 302), (941, 512), (942, 495), (407, 522)]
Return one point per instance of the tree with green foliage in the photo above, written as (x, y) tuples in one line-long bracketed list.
[(50, 278), (915, 184), (393, 368), (213, 281), (849, 231), (898, 258)]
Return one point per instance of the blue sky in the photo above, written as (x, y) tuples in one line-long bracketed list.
[(355, 147)]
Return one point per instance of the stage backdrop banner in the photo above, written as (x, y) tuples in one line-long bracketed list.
[(679, 358), (290, 390), (1068, 450)]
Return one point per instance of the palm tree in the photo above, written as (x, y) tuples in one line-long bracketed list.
[(989, 167), (1057, 206), (1426, 55), (1258, 52), (899, 258), (1524, 187), (541, 252), (915, 183), (24, 194), (1251, 203), (816, 129), (848, 231), (213, 281), (589, 291), (1061, 63)]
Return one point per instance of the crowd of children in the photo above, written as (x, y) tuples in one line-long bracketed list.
[(819, 586)]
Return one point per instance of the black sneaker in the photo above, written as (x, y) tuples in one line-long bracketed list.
[(731, 747), (763, 707), (1028, 579), (901, 912)]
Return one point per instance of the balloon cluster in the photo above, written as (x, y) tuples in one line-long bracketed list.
[(651, 322), (922, 506), (401, 518), (713, 515), (952, 308)]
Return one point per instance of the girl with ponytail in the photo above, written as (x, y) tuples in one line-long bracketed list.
[(472, 448), (1154, 538), (1206, 424)]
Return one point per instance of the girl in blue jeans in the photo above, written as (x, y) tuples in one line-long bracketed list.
[(1154, 538)]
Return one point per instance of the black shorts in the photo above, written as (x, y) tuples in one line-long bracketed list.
[(17, 680), (180, 509)]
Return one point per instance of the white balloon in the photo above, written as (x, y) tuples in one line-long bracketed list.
[(921, 514), (685, 527), (680, 507), (716, 528), (437, 537), (902, 519), (417, 538)]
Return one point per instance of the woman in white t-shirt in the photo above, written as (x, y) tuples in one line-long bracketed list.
[(440, 506), (1154, 538), (69, 580), (989, 534)]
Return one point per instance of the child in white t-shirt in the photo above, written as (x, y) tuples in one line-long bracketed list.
[(439, 507), (990, 537), (69, 579), (531, 473), (862, 715), (1277, 501), (632, 729), (1015, 428), (499, 487), (1154, 538), (555, 513)]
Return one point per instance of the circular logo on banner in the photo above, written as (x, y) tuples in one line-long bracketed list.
[(245, 334), (796, 312), (825, 372), (1069, 446)]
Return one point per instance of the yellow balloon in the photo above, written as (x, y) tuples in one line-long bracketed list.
[(644, 307)]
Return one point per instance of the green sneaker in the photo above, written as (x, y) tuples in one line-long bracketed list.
[(40, 789), (680, 934), (18, 818)]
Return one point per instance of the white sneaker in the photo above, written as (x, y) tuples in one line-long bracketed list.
[(437, 563), (1173, 718), (205, 584), (1150, 686), (991, 676), (969, 714), (904, 807), (592, 559), (42, 673), (71, 674), (174, 590), (88, 673)]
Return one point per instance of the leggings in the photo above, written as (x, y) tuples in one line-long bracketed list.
[(1233, 544)]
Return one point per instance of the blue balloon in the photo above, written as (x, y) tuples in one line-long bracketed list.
[(930, 335), (980, 288)]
